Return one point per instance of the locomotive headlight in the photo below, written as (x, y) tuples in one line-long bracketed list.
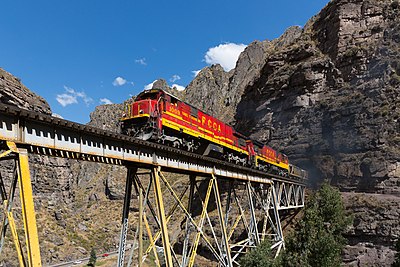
[(141, 111)]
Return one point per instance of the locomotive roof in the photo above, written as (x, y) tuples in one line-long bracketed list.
[(165, 92)]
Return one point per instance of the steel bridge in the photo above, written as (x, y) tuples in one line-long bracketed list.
[(223, 208)]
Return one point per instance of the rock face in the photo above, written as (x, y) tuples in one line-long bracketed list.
[(13, 92), (106, 117), (207, 90), (330, 101), (375, 223), (218, 92)]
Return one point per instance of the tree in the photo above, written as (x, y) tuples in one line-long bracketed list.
[(93, 258), (318, 237), (396, 262), (261, 256)]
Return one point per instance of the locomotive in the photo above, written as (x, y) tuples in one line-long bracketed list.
[(158, 116)]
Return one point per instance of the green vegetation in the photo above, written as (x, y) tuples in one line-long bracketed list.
[(396, 262), (317, 239), (261, 256), (92, 259)]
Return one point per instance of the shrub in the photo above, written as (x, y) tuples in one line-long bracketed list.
[(93, 258), (261, 256), (318, 237)]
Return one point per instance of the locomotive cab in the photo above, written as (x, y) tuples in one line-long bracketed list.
[(141, 118)]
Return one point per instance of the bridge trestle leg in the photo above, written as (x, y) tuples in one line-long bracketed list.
[(8, 218), (280, 243), (254, 235), (259, 224), (185, 248), (125, 215), (162, 217), (140, 227), (28, 210), (22, 176), (142, 204), (226, 253)]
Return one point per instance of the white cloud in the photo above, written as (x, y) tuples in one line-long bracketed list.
[(84, 97), (175, 78), (149, 86), (105, 101), (65, 99), (141, 61), (119, 81), (178, 87), (195, 72), (71, 97), (224, 54)]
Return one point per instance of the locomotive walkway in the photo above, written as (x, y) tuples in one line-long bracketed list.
[(255, 212)]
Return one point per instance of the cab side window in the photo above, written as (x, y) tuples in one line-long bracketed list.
[(174, 101)]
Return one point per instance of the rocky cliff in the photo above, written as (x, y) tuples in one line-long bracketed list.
[(13, 92)]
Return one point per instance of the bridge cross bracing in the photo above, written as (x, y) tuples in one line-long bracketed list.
[(257, 198)]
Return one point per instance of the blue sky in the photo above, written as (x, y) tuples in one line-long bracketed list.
[(78, 54)]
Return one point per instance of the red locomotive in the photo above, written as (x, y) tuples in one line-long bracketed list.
[(159, 116)]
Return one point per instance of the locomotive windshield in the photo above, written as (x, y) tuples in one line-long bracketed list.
[(151, 96), (148, 95)]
